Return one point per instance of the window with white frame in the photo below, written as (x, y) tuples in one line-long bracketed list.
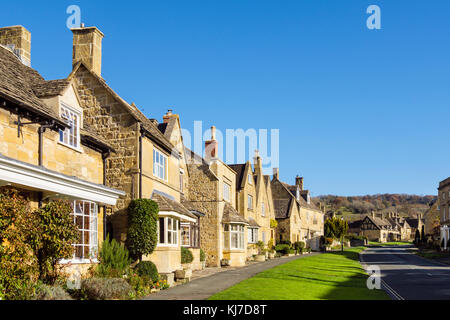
[(85, 217), (234, 236), (185, 235), (263, 209), (159, 165), (168, 231), (252, 235), (250, 202), (70, 136), (226, 192), (250, 179)]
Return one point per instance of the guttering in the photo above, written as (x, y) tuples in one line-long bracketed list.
[(53, 183)]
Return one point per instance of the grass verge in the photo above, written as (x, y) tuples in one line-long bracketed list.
[(389, 244), (328, 276)]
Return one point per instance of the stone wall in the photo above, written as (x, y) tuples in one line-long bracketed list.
[(114, 123), (203, 193)]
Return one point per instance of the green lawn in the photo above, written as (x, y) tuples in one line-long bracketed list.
[(328, 276), (397, 243)]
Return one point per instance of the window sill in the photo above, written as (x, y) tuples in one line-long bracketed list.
[(70, 147), (78, 261)]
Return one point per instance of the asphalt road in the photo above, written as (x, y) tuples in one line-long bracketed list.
[(406, 276)]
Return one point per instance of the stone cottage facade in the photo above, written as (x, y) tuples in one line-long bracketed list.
[(254, 203), (146, 164), (212, 191), (48, 150), (299, 219)]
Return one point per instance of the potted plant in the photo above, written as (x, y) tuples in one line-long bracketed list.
[(203, 259), (261, 256)]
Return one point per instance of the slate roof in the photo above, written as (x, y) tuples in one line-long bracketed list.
[(169, 205), (282, 208), (230, 215), (240, 171)]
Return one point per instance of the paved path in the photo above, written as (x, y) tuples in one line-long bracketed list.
[(406, 276), (203, 288)]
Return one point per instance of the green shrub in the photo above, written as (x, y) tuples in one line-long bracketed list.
[(18, 265), (260, 245), (106, 289), (142, 227), (147, 269), (202, 255), (45, 292), (186, 255), (114, 259), (282, 248), (54, 239)]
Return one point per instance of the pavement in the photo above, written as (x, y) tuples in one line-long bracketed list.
[(204, 287), (406, 276)]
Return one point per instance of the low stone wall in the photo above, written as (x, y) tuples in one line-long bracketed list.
[(196, 264)]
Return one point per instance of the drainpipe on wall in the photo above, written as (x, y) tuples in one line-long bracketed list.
[(41, 132), (105, 157), (140, 162)]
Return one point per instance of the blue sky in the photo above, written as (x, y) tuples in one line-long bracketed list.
[(359, 111)]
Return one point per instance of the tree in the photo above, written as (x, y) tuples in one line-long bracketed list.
[(336, 228), (54, 239), (142, 228)]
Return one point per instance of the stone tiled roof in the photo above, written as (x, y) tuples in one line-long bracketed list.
[(89, 135), (252, 223), (230, 215), (379, 222), (50, 88), (191, 207), (16, 85), (169, 205), (413, 222)]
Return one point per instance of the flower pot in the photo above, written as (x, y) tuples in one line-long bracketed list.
[(260, 258)]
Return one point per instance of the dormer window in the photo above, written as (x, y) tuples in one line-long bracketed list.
[(70, 137)]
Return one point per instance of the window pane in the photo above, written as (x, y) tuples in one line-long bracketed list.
[(161, 230)]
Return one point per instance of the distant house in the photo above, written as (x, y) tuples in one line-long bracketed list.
[(379, 229), (299, 219), (444, 201), (432, 220)]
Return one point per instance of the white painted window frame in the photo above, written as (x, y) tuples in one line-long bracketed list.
[(157, 166), (67, 108)]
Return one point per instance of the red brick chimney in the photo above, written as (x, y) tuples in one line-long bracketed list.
[(299, 182), (168, 116), (212, 146)]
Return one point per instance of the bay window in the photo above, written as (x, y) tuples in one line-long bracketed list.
[(168, 231), (85, 217), (234, 237)]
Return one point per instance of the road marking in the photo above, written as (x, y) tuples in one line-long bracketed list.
[(391, 292)]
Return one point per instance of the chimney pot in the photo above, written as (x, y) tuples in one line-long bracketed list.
[(257, 162), (299, 182), (168, 116), (212, 146)]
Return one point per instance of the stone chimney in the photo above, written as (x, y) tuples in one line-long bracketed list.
[(212, 146), (257, 163), (87, 47), (299, 182), (276, 173), (18, 40), (372, 214), (168, 116)]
